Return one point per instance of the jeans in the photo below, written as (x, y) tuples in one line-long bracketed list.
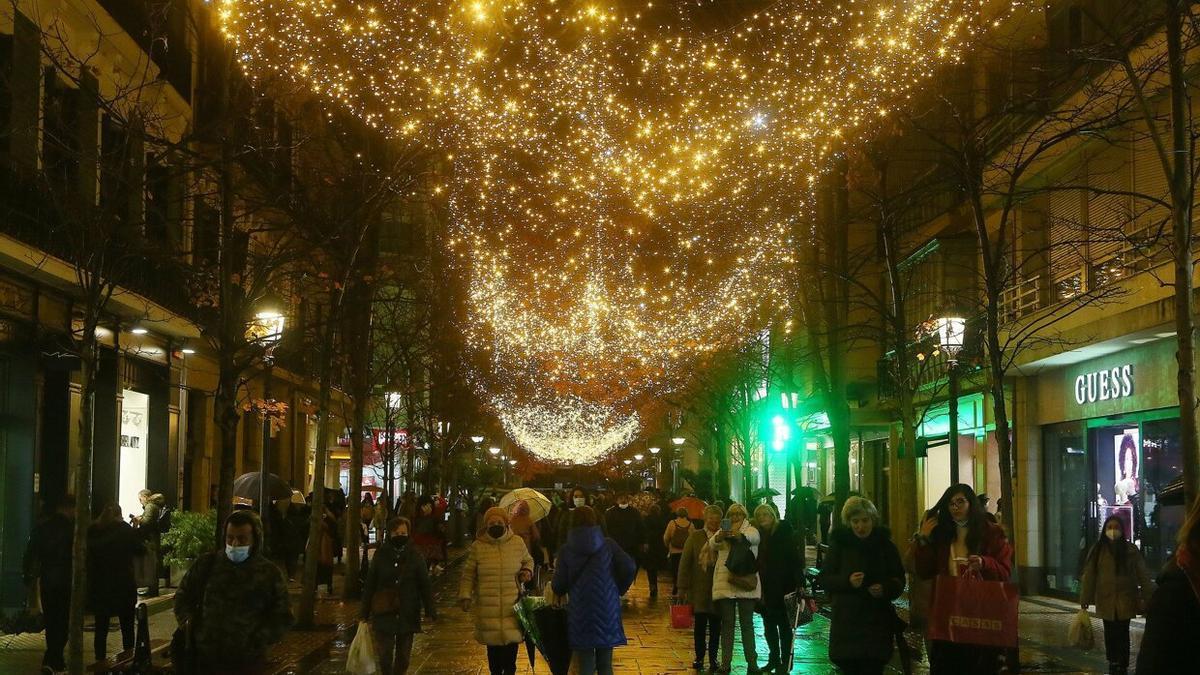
[(100, 641), (950, 658), (740, 610), (1116, 644), (56, 608), (674, 562), (595, 661), (502, 660), (395, 651), (779, 636), (706, 626)]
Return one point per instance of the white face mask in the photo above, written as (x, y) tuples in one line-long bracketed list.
[(580, 501), (1112, 533)]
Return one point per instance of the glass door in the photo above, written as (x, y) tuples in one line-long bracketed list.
[(1070, 514)]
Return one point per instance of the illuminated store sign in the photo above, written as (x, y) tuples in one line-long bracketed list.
[(1104, 385)]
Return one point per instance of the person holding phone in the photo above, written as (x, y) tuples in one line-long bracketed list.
[(735, 596), (956, 538), (863, 575)]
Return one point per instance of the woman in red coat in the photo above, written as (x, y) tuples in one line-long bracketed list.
[(955, 537)]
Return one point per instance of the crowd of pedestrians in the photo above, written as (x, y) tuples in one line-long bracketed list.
[(727, 564)]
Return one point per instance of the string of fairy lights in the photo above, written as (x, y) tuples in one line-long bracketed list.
[(624, 179)]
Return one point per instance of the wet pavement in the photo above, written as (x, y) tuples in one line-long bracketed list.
[(448, 646)]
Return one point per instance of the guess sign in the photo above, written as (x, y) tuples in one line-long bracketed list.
[(1104, 385)]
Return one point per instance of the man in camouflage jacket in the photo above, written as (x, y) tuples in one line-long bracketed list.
[(236, 598)]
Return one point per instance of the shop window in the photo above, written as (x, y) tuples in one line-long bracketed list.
[(1070, 496), (135, 433), (1162, 461)]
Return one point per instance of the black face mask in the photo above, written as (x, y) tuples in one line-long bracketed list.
[(399, 539), (496, 531)]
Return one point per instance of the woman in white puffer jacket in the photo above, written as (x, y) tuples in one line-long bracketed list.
[(734, 600), (497, 563)]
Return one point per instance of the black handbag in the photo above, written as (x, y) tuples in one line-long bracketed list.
[(740, 561)]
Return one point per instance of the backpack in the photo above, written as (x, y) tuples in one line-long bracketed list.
[(164, 519), (680, 535)]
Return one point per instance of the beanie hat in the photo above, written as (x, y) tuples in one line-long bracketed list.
[(495, 512)]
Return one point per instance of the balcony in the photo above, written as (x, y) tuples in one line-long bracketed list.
[(1021, 299), (158, 27)]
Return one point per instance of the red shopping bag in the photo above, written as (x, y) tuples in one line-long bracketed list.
[(681, 616), (970, 610)]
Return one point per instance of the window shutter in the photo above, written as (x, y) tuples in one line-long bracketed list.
[(1108, 214), (1066, 221)]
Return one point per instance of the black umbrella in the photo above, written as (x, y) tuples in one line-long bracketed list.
[(248, 485), (552, 638)]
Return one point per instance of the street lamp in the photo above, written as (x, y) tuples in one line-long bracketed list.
[(950, 331), (655, 450), (512, 462), (477, 439), (678, 441), (627, 461), (494, 450), (638, 457), (266, 329)]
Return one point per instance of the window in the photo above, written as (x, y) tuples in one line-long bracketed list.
[(116, 171), (206, 233), (6, 72), (60, 140), (162, 213)]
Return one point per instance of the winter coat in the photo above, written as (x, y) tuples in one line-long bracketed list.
[(48, 555), (562, 526), (1172, 625), (627, 528), (242, 609), (669, 535), (148, 522), (1116, 595), (694, 578), (862, 627), (594, 571), (524, 527), (400, 572), (722, 589), (780, 567), (111, 586), (656, 554), (489, 579), (933, 559)]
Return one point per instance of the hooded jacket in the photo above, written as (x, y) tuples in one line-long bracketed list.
[(400, 570), (489, 580), (862, 627), (594, 572), (242, 609), (722, 589)]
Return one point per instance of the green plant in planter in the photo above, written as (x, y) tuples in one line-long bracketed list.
[(190, 536)]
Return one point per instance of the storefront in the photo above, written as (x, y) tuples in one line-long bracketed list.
[(1110, 443)]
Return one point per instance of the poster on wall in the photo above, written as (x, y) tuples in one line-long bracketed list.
[(1126, 480)]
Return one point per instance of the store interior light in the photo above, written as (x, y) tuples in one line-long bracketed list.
[(139, 331), (188, 350)]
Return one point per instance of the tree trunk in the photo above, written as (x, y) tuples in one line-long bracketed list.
[(1182, 199), (352, 586), (226, 416), (308, 592), (89, 362)]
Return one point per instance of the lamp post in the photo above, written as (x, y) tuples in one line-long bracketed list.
[(267, 329), (950, 332), (678, 442), (657, 463)]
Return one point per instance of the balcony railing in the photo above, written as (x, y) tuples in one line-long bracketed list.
[(1021, 299)]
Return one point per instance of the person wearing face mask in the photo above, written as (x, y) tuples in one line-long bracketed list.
[(628, 529), (234, 601), (695, 584), (1115, 579), (956, 537), (863, 575), (396, 588), (562, 527), (497, 564)]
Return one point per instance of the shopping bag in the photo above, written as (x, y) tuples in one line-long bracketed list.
[(1080, 633), (361, 659), (970, 610), (681, 616)]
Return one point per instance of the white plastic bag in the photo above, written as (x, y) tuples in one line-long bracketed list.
[(362, 660), (1080, 633)]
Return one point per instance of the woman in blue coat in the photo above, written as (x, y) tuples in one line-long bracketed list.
[(594, 573)]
